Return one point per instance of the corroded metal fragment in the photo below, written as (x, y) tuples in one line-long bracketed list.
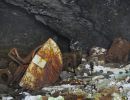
[(18, 72), (44, 68)]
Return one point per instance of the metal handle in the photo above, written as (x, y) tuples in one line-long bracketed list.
[(14, 55)]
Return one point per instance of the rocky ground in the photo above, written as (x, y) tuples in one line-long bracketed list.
[(92, 79), (25, 24)]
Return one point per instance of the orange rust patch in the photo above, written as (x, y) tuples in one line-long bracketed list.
[(37, 77)]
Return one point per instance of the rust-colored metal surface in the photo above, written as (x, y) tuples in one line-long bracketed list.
[(18, 74), (44, 68)]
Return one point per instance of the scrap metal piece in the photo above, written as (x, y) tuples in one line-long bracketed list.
[(44, 68), (14, 55), (18, 74)]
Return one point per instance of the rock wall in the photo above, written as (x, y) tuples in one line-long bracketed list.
[(20, 29), (92, 22)]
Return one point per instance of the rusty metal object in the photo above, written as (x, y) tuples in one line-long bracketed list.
[(18, 75), (118, 51), (19, 72), (5, 75), (44, 68), (14, 55)]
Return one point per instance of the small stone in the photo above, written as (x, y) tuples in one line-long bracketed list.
[(97, 55), (116, 96), (128, 95), (7, 98), (38, 97), (121, 89), (58, 98), (85, 74), (127, 79), (66, 75)]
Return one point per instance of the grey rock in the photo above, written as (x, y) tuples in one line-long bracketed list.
[(128, 95), (65, 75), (113, 65), (81, 70), (91, 22), (65, 17), (20, 29)]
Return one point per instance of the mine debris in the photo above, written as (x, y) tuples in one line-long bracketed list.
[(23, 64), (17, 58), (92, 78), (118, 51), (44, 68)]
